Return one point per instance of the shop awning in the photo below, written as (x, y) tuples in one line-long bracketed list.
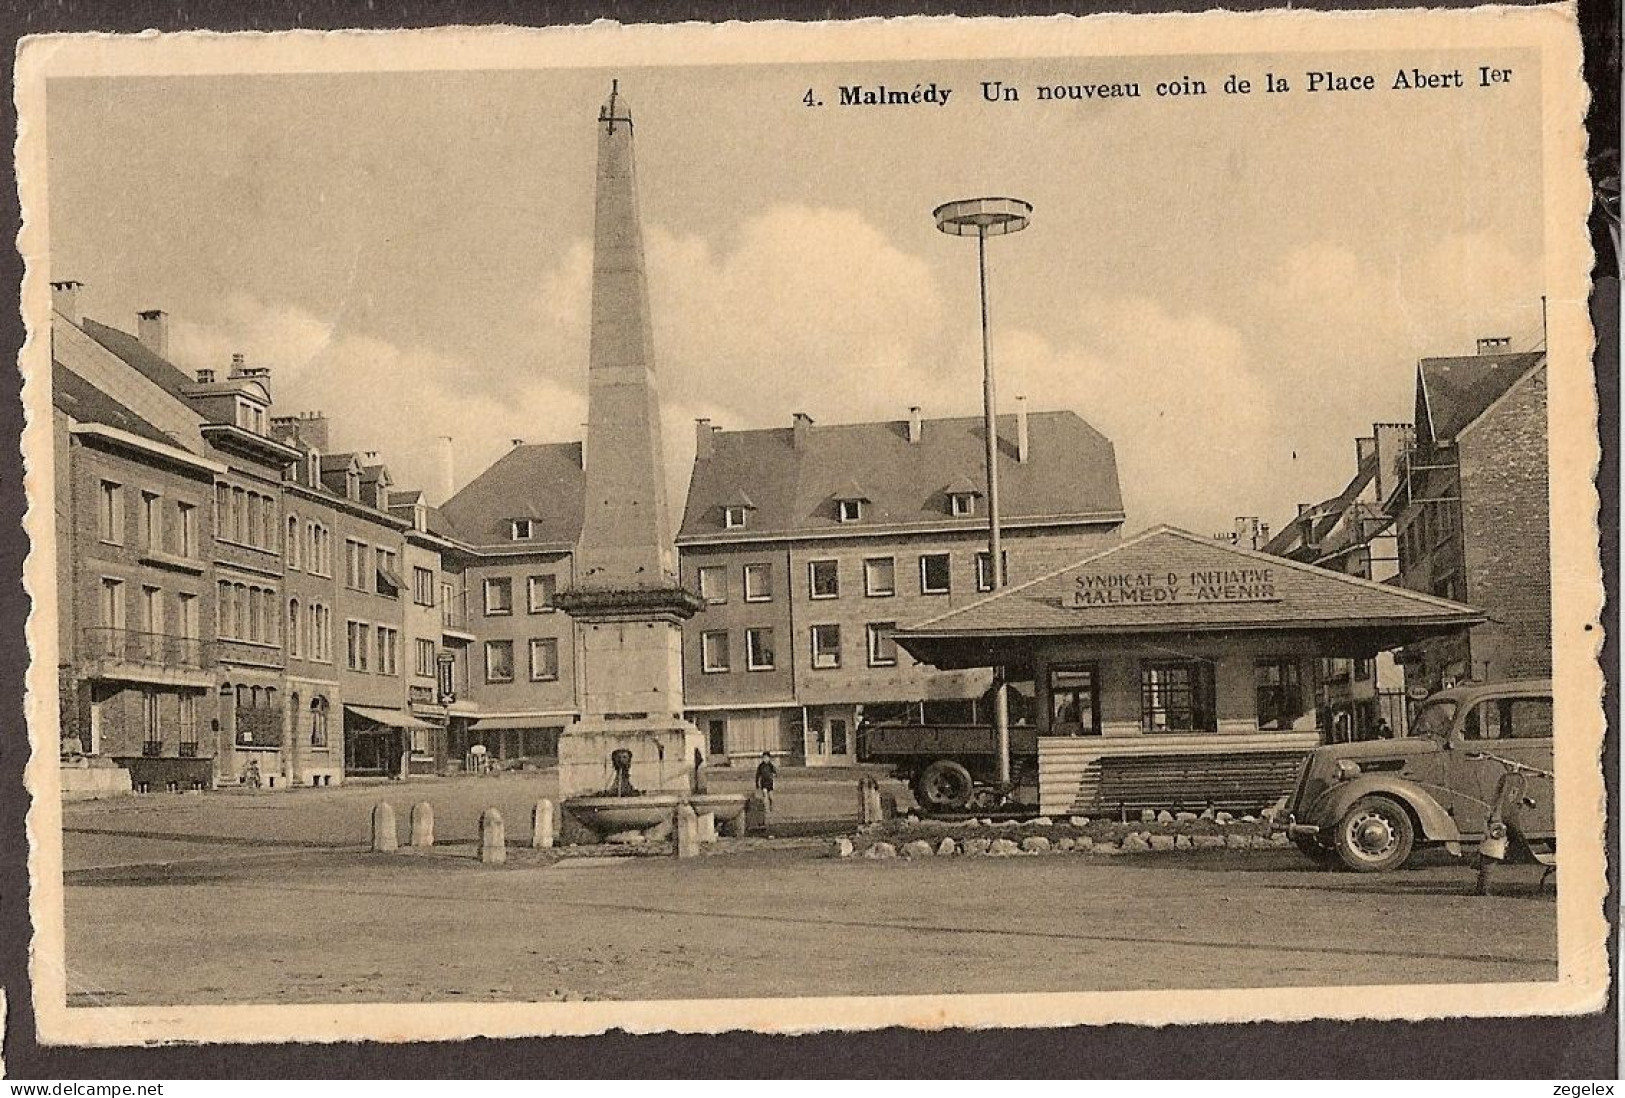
[(393, 718), (541, 720), (1171, 582)]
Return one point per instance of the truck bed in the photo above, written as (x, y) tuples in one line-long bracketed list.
[(890, 743)]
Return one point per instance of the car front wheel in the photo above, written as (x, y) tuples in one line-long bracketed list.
[(1375, 835)]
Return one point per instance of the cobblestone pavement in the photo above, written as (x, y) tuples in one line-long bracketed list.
[(276, 909)]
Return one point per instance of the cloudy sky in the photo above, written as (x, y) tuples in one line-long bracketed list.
[(1231, 288)]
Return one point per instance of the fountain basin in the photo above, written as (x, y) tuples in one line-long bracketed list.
[(608, 815), (726, 807)]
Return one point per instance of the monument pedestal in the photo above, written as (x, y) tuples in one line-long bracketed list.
[(662, 755)]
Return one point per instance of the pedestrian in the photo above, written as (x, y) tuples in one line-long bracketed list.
[(1384, 732), (766, 772)]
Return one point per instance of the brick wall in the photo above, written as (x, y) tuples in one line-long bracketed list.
[(1506, 534)]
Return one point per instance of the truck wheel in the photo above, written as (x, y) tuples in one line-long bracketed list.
[(944, 784), (1375, 835)]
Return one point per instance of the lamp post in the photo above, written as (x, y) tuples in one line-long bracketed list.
[(982, 218)]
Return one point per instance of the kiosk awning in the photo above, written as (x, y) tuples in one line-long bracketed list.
[(393, 718)]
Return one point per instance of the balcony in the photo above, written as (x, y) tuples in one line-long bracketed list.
[(130, 655)]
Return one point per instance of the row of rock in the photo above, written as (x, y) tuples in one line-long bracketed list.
[(1137, 842)]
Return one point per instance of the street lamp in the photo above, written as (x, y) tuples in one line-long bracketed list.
[(982, 218)]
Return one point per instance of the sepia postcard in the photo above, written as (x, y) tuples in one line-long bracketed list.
[(930, 522)]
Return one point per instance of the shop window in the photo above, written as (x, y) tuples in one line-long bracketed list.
[(1278, 688), (758, 583), (1177, 696), (759, 649), (152, 744), (935, 578), (544, 659), (824, 579), (714, 652), (879, 577), (826, 646), (1074, 699), (882, 646), (713, 581)]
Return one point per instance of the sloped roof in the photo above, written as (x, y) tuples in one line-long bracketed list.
[(157, 369), (79, 399), (1071, 473), (541, 482), (1289, 540), (1453, 392), (1218, 587)]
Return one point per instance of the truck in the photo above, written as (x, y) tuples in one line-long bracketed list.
[(954, 767)]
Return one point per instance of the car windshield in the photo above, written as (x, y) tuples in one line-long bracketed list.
[(1434, 719)]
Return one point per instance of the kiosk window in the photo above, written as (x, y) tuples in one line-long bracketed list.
[(1074, 701), (1177, 697), (1279, 693)]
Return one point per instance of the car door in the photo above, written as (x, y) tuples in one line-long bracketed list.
[(1515, 727)]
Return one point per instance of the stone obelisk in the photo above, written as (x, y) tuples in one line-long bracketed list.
[(626, 597)]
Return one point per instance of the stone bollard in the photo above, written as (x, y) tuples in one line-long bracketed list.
[(423, 824), (383, 827), (493, 838), (869, 800), (541, 825), (708, 827), (888, 804), (755, 816), (687, 838)]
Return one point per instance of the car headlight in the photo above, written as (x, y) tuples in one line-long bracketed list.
[(1346, 769)]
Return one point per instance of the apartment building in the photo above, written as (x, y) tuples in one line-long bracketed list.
[(519, 522), (812, 544), (1472, 516), (1350, 533)]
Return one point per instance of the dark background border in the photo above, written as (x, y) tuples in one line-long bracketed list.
[(1552, 1048)]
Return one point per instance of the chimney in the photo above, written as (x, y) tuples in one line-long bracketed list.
[(1392, 441), (370, 456), (1244, 535), (914, 426), (518, 441), (205, 377), (238, 362), (1263, 534), (703, 441), (448, 470), (65, 298), (801, 423), (153, 330), (1494, 345), (1023, 441)]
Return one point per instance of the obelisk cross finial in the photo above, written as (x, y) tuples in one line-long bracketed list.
[(610, 113)]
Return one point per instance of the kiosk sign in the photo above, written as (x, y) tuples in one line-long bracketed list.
[(1203, 586)]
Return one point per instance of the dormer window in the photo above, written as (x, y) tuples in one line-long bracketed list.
[(850, 510), (522, 529), (734, 517), (352, 485), (962, 504)]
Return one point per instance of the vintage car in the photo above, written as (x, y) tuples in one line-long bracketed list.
[(1370, 805)]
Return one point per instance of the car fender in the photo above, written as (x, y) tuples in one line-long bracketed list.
[(1437, 826)]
